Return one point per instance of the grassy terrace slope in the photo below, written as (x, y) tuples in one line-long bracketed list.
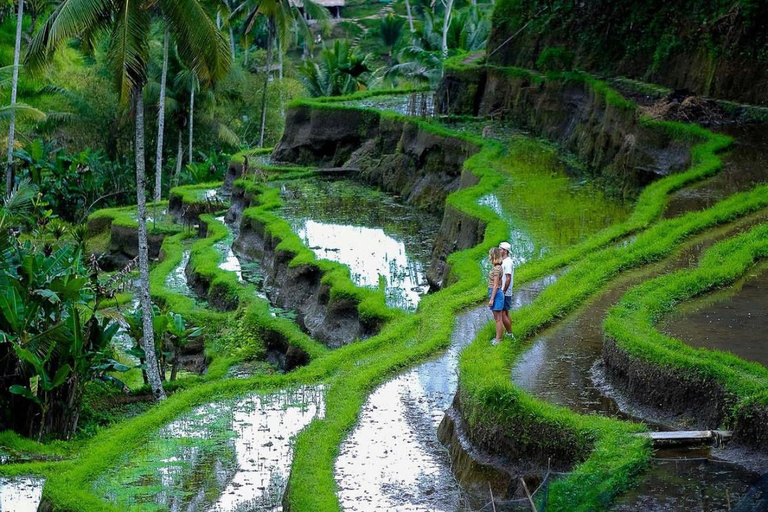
[(610, 454), (632, 322)]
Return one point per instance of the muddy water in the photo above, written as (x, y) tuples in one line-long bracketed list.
[(744, 167), (227, 456), (699, 484), (732, 320), (384, 242), (393, 459), (21, 494), (563, 364)]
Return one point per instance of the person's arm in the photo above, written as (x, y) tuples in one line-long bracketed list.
[(507, 282)]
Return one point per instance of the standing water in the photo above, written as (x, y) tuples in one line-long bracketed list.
[(22, 494), (384, 242), (222, 457)]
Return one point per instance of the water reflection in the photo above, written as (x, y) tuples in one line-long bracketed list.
[(176, 281), (393, 459), (22, 494), (383, 242), (226, 456), (681, 485)]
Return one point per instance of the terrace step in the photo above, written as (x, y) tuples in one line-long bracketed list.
[(688, 437)]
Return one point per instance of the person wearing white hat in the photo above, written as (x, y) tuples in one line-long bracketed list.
[(508, 274)]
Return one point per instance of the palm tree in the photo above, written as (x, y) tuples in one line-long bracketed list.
[(281, 16), (391, 28), (128, 24), (161, 120), (341, 71), (14, 90)]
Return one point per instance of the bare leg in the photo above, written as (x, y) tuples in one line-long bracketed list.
[(506, 321), (497, 316)]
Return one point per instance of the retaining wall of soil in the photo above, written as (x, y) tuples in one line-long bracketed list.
[(610, 139), (502, 454), (333, 321), (683, 393)]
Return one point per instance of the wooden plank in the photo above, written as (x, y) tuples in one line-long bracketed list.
[(687, 436)]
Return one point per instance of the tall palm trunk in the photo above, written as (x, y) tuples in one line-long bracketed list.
[(191, 118), (161, 121), (232, 42), (446, 25), (14, 89), (148, 338), (410, 18), (179, 158), (270, 37)]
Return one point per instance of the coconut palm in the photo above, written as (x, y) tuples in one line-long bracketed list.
[(341, 71), (127, 23), (14, 90), (282, 17)]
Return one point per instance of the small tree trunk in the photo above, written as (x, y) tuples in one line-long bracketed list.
[(179, 159), (410, 18), (218, 20), (270, 36), (446, 25), (148, 338), (14, 88), (175, 367), (191, 118), (161, 121), (245, 51)]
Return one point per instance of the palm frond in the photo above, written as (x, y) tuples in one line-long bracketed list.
[(129, 49), (21, 110), (68, 20)]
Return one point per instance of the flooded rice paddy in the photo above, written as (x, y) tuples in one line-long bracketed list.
[(745, 165), (385, 243), (226, 456), (393, 459), (20, 494), (695, 484), (733, 320)]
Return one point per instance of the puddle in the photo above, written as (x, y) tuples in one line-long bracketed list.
[(227, 456), (393, 459), (383, 242), (22, 494), (744, 167), (680, 485), (732, 320)]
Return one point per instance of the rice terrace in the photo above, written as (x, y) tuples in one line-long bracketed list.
[(390, 255)]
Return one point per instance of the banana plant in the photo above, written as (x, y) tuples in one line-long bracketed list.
[(179, 335)]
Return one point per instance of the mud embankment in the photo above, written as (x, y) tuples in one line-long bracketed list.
[(609, 139), (688, 394), (333, 321)]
